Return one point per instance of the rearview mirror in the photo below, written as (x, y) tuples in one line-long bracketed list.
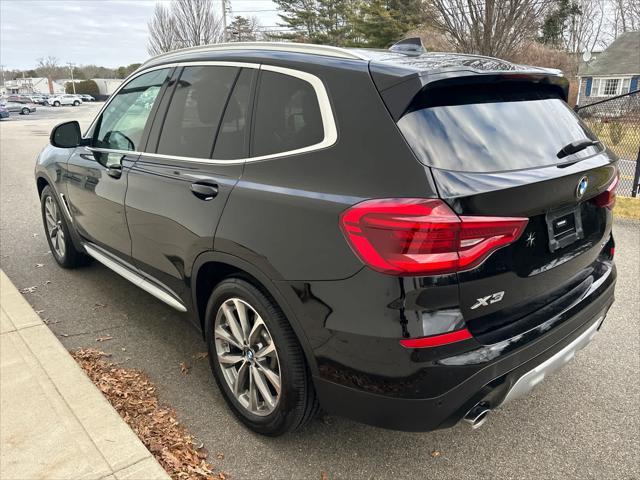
[(66, 135)]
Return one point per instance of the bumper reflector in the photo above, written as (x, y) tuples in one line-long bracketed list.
[(436, 340)]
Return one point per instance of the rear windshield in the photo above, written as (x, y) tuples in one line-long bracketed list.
[(492, 128)]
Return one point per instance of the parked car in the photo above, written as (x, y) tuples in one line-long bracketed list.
[(17, 98), (40, 99), (407, 239), (67, 99), (4, 113), (21, 108), (87, 98)]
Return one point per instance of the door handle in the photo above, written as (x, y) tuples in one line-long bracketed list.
[(204, 191), (114, 170)]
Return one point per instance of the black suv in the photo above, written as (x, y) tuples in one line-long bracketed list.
[(407, 239)]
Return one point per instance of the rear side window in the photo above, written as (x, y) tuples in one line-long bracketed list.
[(234, 130), (194, 114), (492, 129), (287, 115)]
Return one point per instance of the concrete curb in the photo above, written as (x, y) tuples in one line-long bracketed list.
[(54, 423)]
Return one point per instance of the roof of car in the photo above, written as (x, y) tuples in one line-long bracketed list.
[(428, 61)]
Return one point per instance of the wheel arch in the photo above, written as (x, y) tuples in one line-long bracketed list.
[(210, 268)]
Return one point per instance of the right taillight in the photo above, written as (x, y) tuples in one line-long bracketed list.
[(608, 197), (413, 236)]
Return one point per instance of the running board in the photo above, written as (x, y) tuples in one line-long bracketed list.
[(135, 278)]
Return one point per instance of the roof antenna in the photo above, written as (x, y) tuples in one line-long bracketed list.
[(409, 46)]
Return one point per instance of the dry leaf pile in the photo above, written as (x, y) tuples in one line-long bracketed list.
[(133, 395)]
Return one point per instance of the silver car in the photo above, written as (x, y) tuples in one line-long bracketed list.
[(21, 108)]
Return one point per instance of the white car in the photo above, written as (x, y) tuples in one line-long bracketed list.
[(66, 99)]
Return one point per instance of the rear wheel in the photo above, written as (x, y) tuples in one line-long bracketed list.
[(57, 232), (76, 103), (257, 360), (25, 111), (56, 104)]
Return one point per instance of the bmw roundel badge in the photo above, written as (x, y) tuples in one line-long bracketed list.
[(582, 187)]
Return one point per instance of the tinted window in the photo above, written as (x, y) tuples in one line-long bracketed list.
[(234, 129), (287, 115), (491, 131), (122, 123), (195, 110)]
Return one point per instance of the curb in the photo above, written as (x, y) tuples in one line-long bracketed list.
[(54, 422)]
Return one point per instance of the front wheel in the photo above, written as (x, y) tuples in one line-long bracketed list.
[(56, 104), (256, 360), (57, 232), (76, 103)]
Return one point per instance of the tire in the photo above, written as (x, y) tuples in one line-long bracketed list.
[(25, 111), (296, 402), (76, 103), (57, 232), (56, 104)]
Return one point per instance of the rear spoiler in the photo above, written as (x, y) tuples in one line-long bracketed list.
[(398, 86)]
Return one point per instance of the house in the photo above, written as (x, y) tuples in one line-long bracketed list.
[(28, 85), (615, 71)]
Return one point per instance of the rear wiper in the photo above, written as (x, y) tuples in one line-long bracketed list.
[(575, 147)]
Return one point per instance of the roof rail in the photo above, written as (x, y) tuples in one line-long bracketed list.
[(270, 46)]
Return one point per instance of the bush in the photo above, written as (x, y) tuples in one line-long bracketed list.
[(616, 132), (85, 87)]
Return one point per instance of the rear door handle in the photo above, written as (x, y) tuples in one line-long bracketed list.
[(204, 191)]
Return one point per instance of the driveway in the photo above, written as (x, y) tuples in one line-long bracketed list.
[(581, 423)]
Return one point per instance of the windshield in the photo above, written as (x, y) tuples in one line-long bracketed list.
[(492, 129)]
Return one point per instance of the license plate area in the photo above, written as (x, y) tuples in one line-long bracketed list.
[(564, 227)]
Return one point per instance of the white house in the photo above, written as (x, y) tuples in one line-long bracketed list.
[(32, 85)]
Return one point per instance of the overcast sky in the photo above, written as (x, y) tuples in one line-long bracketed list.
[(101, 32)]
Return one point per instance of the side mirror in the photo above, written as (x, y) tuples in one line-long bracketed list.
[(66, 135)]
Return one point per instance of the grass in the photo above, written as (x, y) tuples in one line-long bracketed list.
[(627, 207), (628, 143)]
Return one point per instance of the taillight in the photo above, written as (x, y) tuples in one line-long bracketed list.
[(437, 340), (414, 236), (608, 197)]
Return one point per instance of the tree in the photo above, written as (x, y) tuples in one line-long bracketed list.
[(491, 27), (555, 23), (317, 21), (381, 23), (84, 87), (186, 23), (124, 72), (49, 67), (243, 29)]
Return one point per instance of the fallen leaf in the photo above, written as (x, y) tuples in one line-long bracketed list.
[(47, 282), (220, 456), (39, 265), (99, 305), (104, 339), (324, 476), (35, 235), (64, 335), (39, 311), (436, 453), (184, 368), (201, 355), (29, 289)]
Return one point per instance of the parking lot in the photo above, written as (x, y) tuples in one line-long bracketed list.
[(581, 423)]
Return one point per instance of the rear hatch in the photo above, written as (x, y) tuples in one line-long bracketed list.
[(494, 150)]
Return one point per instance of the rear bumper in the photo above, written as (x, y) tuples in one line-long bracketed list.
[(490, 373)]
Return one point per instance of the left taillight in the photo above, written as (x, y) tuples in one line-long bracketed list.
[(413, 236), (608, 197)]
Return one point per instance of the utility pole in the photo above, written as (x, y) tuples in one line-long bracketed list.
[(73, 84), (224, 21), (2, 70)]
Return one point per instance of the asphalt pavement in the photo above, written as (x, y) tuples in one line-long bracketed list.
[(583, 422)]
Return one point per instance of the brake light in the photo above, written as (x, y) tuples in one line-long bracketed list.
[(414, 236), (608, 197)]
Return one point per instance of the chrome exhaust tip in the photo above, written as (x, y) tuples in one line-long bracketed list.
[(477, 416)]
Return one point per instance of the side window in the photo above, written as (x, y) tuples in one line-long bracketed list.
[(193, 116), (234, 129), (287, 115), (123, 121)]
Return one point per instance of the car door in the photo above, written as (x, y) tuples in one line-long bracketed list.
[(194, 157), (96, 174)]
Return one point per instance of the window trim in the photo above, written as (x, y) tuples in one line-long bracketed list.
[(324, 103), (602, 82)]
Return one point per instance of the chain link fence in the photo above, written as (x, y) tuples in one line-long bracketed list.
[(616, 121)]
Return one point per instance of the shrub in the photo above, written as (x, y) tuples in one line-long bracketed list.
[(616, 132), (87, 87)]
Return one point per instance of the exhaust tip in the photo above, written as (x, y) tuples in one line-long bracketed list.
[(477, 416)]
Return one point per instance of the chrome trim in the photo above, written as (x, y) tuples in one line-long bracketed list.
[(108, 150), (534, 376), (135, 278), (308, 48)]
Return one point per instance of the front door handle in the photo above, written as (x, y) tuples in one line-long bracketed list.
[(114, 170), (204, 191)]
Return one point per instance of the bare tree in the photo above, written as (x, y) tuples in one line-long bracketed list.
[(496, 28), (162, 35), (583, 31), (49, 67), (186, 23)]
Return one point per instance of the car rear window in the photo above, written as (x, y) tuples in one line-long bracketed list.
[(492, 128)]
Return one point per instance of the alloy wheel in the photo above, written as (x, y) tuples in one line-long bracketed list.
[(54, 226), (246, 354)]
